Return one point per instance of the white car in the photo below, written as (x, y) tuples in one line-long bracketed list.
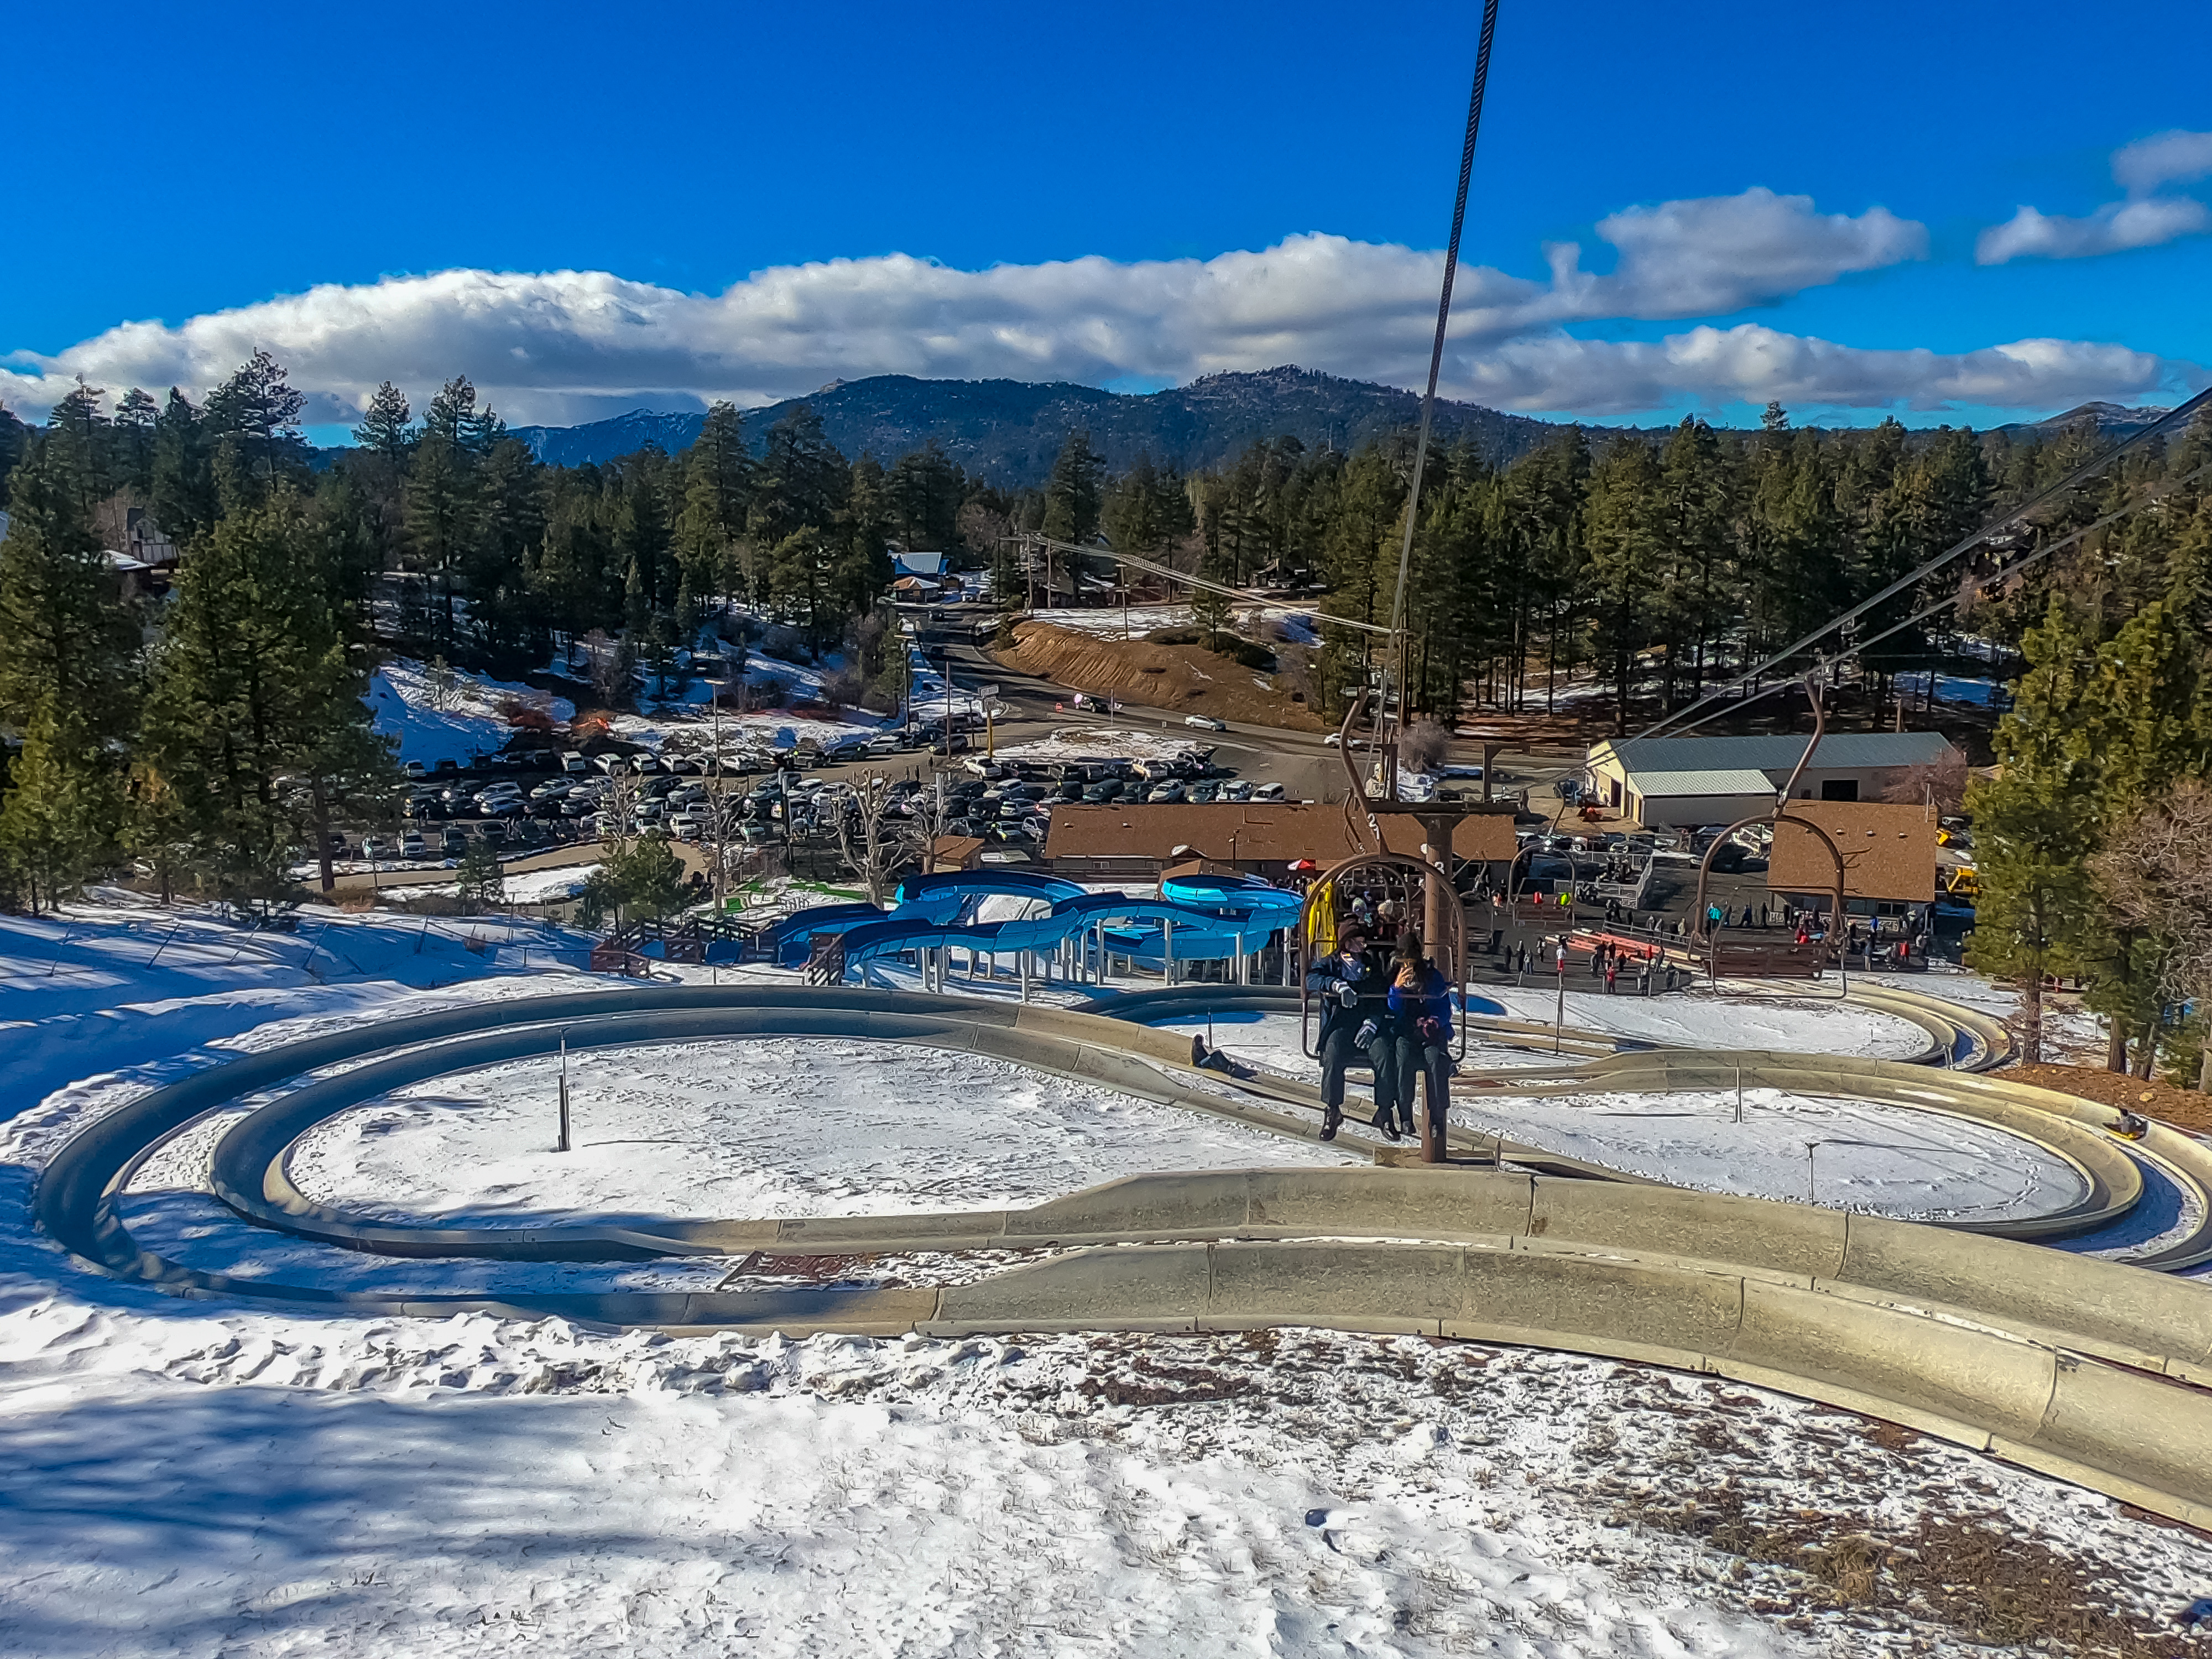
[(1333, 740), (573, 762), (1268, 791), (1206, 722)]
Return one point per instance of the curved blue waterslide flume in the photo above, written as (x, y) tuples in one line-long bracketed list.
[(1213, 919)]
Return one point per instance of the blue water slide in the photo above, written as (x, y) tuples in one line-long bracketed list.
[(1201, 933), (1021, 884), (787, 940)]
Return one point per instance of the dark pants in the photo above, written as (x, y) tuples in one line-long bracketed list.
[(1410, 1058), (1338, 1052)]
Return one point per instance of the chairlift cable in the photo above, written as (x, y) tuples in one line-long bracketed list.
[(2164, 487), (1437, 349), (2072, 481)]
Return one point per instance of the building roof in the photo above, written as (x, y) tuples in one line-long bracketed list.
[(1660, 786), (1838, 750), (1888, 851), (1246, 832), (918, 564)]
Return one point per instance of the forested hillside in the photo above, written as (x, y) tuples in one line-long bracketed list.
[(1007, 432), (208, 732)]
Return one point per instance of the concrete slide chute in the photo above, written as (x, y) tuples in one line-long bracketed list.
[(2063, 1362)]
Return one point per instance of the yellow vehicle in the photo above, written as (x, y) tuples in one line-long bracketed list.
[(1961, 882)]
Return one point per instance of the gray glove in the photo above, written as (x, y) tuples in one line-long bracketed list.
[(1346, 993)]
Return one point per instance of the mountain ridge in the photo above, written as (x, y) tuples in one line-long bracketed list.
[(1007, 432)]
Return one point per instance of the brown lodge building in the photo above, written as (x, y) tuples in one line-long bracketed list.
[(1136, 842), (1888, 853)]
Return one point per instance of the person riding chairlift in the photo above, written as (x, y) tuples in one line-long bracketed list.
[(1354, 1019), (1420, 1008)]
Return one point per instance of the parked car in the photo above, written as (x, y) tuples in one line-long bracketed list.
[(1237, 789), (414, 769), (1203, 793), (410, 845), (551, 789), (571, 761), (375, 846), (1267, 791), (1170, 790), (455, 840)]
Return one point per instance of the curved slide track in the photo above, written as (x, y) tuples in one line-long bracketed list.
[(1203, 919), (2062, 1363)]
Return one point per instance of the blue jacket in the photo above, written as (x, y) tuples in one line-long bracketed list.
[(1432, 1001)]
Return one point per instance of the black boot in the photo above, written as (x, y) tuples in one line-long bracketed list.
[(1332, 1119)]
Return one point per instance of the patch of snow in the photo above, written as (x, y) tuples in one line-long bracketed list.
[(786, 1127), (462, 720)]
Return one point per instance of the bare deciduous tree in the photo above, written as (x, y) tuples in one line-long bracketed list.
[(865, 839), (1424, 745), (1941, 783), (2156, 875)]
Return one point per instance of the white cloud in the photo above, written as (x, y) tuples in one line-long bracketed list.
[(2112, 228), (1750, 364), (560, 346), (2143, 221), (2170, 158)]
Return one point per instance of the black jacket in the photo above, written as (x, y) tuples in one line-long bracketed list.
[(1373, 990)]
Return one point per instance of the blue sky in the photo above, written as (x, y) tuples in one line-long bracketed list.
[(174, 164)]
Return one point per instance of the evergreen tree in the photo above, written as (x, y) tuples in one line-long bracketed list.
[(66, 643), (800, 483), (133, 441), (480, 882), (59, 820), (255, 711), (15, 437), (386, 427), (1072, 498), (1622, 536), (183, 473), (81, 447), (253, 419), (2035, 823), (717, 489)]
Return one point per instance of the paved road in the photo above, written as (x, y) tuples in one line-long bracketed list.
[(1301, 761)]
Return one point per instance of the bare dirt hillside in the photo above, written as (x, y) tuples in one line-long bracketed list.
[(1186, 678)]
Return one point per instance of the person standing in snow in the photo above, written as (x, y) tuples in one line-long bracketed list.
[(1354, 1012), (1420, 1007)]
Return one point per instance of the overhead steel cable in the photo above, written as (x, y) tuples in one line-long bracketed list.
[(1443, 317), (1167, 570), (2165, 487), (2072, 481)]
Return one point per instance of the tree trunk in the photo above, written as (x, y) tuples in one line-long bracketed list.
[(2032, 1020), (2146, 1051), (2116, 1045)]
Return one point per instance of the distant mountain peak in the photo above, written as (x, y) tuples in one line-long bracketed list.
[(1009, 431)]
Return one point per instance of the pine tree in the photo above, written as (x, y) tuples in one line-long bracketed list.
[(59, 820), (255, 712), (1622, 534), (184, 474), (134, 441), (254, 417), (480, 882), (2035, 823), (66, 643), (80, 440), (1072, 495), (15, 437), (717, 488)]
